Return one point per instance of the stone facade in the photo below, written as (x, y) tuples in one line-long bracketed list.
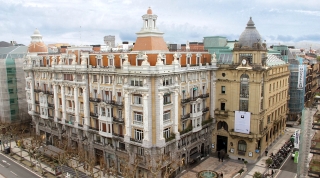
[(140, 105)]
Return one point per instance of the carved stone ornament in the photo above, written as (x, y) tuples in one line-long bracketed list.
[(84, 60), (159, 61), (213, 58), (145, 60), (175, 59), (125, 57)]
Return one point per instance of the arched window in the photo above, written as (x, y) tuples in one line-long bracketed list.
[(222, 124), (244, 92), (242, 146)]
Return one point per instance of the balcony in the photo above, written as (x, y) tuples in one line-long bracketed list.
[(204, 95), (186, 116), (185, 131), (93, 128), (135, 140), (70, 109), (244, 95), (92, 114), (223, 113), (37, 90), (118, 135), (183, 101), (51, 117), (48, 92), (97, 100), (172, 136), (205, 109), (36, 113), (80, 125), (118, 120), (107, 101), (138, 123), (37, 102), (50, 105), (195, 98), (118, 103)]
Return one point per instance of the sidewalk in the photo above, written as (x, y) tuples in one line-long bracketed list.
[(16, 155), (261, 166), (228, 167)]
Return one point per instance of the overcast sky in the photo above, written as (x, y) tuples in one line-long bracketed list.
[(59, 21)]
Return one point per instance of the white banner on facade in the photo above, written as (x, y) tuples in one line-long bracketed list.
[(300, 77), (242, 122)]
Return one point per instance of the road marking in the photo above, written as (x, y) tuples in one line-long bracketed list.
[(1, 165), (14, 173), (5, 162)]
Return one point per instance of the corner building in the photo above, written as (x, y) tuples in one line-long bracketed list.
[(142, 105), (251, 95)]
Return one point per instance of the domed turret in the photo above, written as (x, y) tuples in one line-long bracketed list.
[(149, 11), (250, 35), (37, 45)]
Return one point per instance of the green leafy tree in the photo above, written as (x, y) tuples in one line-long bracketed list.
[(257, 175)]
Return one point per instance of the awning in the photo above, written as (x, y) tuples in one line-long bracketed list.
[(195, 156)]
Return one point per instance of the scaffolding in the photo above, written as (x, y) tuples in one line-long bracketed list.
[(305, 142), (13, 105)]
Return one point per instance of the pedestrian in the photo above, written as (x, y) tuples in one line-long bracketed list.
[(272, 172), (219, 155), (266, 152), (221, 175), (222, 154)]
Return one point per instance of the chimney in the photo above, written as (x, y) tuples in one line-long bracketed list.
[(96, 48), (63, 49)]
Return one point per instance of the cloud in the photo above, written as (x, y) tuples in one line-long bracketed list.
[(180, 20), (307, 12), (285, 38)]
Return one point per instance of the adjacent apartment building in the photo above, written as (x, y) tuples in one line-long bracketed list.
[(12, 96), (251, 95), (143, 104)]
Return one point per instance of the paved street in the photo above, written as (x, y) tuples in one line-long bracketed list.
[(10, 169), (228, 167)]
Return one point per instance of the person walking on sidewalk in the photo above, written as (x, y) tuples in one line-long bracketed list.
[(219, 155), (266, 152), (222, 154), (221, 175)]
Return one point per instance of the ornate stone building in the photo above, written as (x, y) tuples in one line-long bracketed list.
[(251, 95), (138, 105)]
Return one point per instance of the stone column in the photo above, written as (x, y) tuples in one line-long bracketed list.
[(76, 104), (127, 117), (212, 94), (161, 116), (176, 114), (56, 102), (32, 93), (63, 98), (86, 108), (145, 118)]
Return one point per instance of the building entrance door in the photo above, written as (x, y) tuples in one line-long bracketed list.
[(222, 143)]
